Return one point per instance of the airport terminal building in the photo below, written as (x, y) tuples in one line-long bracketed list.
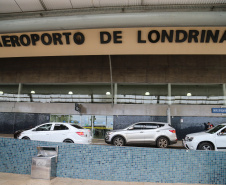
[(105, 64)]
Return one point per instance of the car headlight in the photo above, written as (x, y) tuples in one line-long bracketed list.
[(108, 133), (189, 138)]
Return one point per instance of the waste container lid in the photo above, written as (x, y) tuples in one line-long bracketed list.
[(47, 151)]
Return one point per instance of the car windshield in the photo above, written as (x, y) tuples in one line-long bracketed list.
[(215, 129), (77, 126)]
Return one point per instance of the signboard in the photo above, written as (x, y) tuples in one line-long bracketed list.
[(115, 41), (219, 110)]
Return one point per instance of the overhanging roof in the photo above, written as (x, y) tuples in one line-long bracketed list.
[(48, 15)]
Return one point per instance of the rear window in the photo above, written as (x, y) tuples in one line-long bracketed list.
[(77, 126)]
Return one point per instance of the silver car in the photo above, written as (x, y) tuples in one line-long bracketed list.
[(153, 133)]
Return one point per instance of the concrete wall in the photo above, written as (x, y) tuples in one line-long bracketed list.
[(126, 69), (10, 122), (108, 109), (131, 164)]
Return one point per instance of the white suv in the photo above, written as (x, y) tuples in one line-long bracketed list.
[(153, 133), (213, 139)]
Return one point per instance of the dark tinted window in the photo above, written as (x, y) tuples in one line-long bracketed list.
[(152, 125), (77, 126), (215, 129), (45, 127), (138, 126), (60, 127)]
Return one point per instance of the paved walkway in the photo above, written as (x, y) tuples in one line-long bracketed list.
[(17, 179)]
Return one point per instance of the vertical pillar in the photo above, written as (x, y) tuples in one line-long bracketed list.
[(112, 91), (19, 92), (169, 103), (168, 115), (92, 120), (169, 94), (224, 93), (115, 93)]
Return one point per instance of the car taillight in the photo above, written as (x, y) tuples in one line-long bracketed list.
[(80, 133), (173, 131)]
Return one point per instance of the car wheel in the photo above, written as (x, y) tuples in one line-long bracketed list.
[(27, 138), (68, 141), (162, 142), (118, 141), (205, 146)]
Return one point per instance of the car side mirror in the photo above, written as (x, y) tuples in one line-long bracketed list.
[(130, 128), (220, 134)]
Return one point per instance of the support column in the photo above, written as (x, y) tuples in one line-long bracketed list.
[(19, 92), (224, 93), (115, 93), (112, 91), (169, 103), (168, 115), (92, 120), (169, 94)]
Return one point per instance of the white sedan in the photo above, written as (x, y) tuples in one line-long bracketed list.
[(213, 139), (58, 132)]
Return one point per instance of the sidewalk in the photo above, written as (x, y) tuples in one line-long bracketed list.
[(18, 179)]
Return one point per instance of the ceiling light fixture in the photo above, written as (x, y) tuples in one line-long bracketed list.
[(108, 93), (32, 92), (70, 92), (188, 94), (147, 93)]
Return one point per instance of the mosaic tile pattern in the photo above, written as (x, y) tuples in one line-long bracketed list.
[(109, 163)]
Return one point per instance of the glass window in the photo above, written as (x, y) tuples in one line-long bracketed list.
[(151, 126), (86, 121), (45, 127), (215, 129), (74, 119), (77, 126), (109, 122), (59, 118), (60, 127), (138, 126)]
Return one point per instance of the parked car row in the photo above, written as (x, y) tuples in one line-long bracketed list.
[(158, 134)]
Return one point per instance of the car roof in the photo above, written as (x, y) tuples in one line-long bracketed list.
[(152, 122), (223, 124)]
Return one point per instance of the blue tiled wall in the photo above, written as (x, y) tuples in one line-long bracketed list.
[(119, 163)]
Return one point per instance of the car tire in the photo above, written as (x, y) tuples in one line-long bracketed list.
[(27, 138), (118, 141), (162, 142), (205, 146), (68, 141)]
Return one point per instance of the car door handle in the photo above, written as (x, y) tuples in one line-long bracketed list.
[(141, 132)]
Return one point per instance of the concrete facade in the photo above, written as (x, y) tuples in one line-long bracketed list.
[(108, 109), (125, 69)]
